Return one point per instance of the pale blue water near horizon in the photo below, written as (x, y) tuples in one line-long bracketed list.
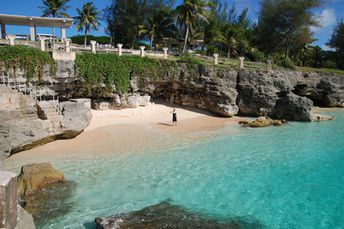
[(284, 177)]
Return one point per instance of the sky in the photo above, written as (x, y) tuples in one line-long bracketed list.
[(328, 15)]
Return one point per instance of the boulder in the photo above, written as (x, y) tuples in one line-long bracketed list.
[(259, 92), (35, 177), (293, 108), (76, 117)]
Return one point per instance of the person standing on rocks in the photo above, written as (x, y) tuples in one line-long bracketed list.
[(174, 117)]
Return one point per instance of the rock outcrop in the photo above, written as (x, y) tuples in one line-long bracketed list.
[(166, 215), (293, 107), (262, 122), (22, 129), (271, 95), (206, 88), (35, 177)]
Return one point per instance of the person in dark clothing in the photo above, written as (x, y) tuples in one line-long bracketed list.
[(174, 117)]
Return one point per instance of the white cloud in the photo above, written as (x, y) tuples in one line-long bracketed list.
[(326, 18), (326, 48)]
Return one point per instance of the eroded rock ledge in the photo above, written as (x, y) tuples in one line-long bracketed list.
[(22, 129), (166, 215)]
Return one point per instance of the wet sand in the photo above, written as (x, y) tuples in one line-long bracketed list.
[(122, 131)]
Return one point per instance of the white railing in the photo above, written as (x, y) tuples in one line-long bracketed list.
[(32, 92)]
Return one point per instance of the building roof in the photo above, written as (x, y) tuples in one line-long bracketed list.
[(9, 19)]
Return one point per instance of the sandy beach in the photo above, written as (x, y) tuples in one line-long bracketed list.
[(126, 130)]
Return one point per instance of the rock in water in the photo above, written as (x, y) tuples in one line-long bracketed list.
[(262, 122), (166, 215), (50, 203), (35, 177), (293, 108)]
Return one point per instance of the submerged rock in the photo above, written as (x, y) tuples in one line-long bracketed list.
[(262, 122), (50, 202), (43, 192), (319, 117), (166, 215), (35, 177)]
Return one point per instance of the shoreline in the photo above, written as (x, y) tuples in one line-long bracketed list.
[(114, 132)]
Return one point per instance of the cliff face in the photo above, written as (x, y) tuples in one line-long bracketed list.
[(283, 94), (204, 88)]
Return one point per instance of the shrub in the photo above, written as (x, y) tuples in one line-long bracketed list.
[(286, 62), (256, 56), (189, 59), (101, 39), (329, 64), (30, 60)]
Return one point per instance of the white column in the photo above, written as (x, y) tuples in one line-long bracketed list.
[(269, 66), (63, 34), (242, 62), (67, 45), (11, 37), (32, 33), (93, 46), (165, 53), (142, 54), (119, 46), (42, 42), (216, 56)]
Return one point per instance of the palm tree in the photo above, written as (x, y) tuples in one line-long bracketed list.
[(159, 25), (188, 13), (54, 8), (87, 19)]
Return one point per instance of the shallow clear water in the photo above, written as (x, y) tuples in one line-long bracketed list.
[(285, 177)]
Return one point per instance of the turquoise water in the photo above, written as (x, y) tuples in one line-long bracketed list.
[(284, 177)]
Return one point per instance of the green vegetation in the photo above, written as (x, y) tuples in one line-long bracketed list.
[(100, 40), (337, 42), (54, 8), (87, 19), (116, 71), (30, 60)]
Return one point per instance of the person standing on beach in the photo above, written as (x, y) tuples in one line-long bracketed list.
[(174, 117)]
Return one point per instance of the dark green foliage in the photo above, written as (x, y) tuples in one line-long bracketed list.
[(30, 60), (124, 18), (283, 25), (54, 8), (337, 42), (100, 40), (286, 62), (116, 71), (256, 56), (189, 59), (87, 19)]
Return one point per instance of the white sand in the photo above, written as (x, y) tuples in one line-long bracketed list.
[(127, 130)]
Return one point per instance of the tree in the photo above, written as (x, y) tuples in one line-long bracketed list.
[(282, 22), (337, 43), (125, 18), (87, 19), (188, 13), (54, 8), (158, 25)]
